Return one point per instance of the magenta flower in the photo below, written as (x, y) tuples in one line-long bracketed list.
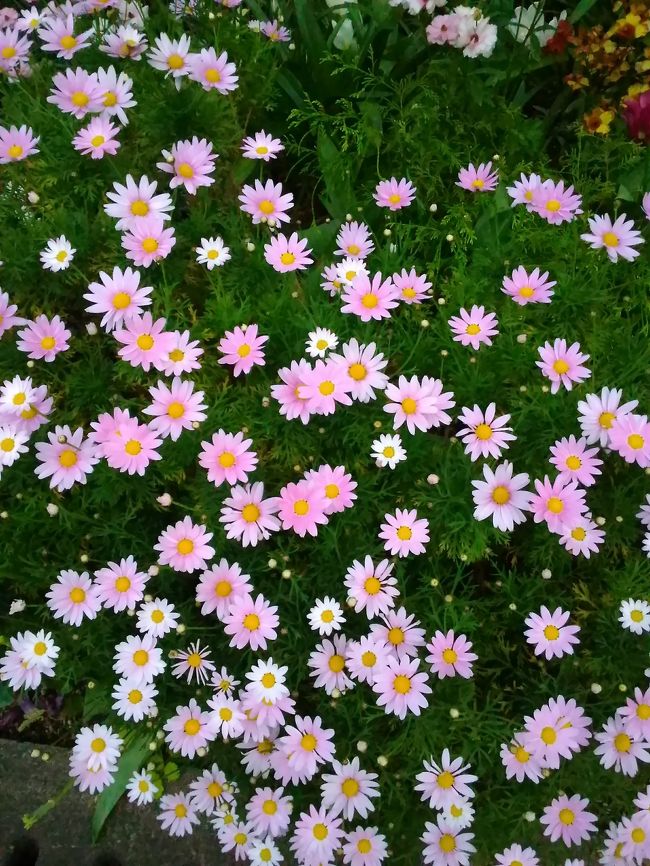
[(474, 328), (354, 240), (629, 436), (289, 392), (97, 139), (191, 163), (403, 533), (228, 458), (575, 462), (66, 458), (555, 203), (501, 496), (184, 546), (549, 633), (617, 238), (525, 288), (394, 194), (212, 72), (251, 622), (242, 349), (175, 409), (451, 656), (485, 434), (557, 502), (301, 507), (522, 190), (76, 92), (17, 144), (637, 117), (247, 516), (480, 179), (370, 300), (261, 146), (147, 241), (441, 784), (401, 687), (44, 338), (145, 343), (563, 365), (567, 818), (132, 202), (266, 202), (118, 297), (413, 288), (286, 254), (57, 34)]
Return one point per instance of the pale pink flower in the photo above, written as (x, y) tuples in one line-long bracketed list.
[(629, 436), (117, 297), (364, 846), (175, 408), (138, 659), (89, 780), (326, 385), (519, 763), (521, 192), (516, 854), (286, 254), (305, 745), (157, 617), (120, 586), (145, 343), (400, 687), (301, 507), (288, 394), (363, 658), (636, 714), (8, 317), (44, 338), (485, 434), (273, 31), (251, 622), (372, 587), (261, 145), (13, 443), (147, 241), (337, 486), (212, 72), (269, 811), (557, 502), (170, 56), (575, 462), (76, 92), (354, 240), (190, 729), (247, 516), (57, 34), (182, 356), (131, 203), (116, 93), (184, 546), (191, 163), (124, 42), (617, 238), (134, 703), (317, 834), (599, 411), (266, 202), (327, 663), (98, 747), (14, 49), (403, 533), (528, 288), (451, 655), (501, 496), (567, 818), (97, 139), (549, 634), (394, 194), (370, 299), (132, 447), (413, 288), (220, 586), (442, 30), (562, 364), (581, 536), (418, 404), (555, 203), (228, 458), (242, 348), (363, 366), (193, 663), (478, 179), (66, 458), (72, 597), (17, 144), (620, 748), (209, 790), (474, 328), (400, 632), (349, 790), (441, 784)]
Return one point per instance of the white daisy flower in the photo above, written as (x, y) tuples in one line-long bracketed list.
[(140, 788), (320, 342), (156, 617), (326, 616), (57, 255), (388, 450), (12, 444), (349, 269), (213, 253), (635, 615)]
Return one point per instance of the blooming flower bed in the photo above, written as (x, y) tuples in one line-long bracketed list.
[(323, 431)]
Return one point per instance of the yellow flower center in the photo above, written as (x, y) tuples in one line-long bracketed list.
[(445, 779), (251, 621), (521, 755), (77, 595), (185, 546), (110, 99), (636, 615), (354, 249), (643, 712), (336, 663), (179, 809), (19, 399), (250, 513), (175, 61), (610, 239), (394, 198), (268, 680), (135, 696), (121, 300), (133, 447), (555, 505), (176, 355), (185, 170), (97, 140), (409, 406), (551, 632), (450, 656), (560, 366), (350, 787), (140, 657), (402, 684), (223, 588), (483, 431), (8, 52), (269, 807), (98, 745), (308, 742), (635, 441), (548, 735), (300, 507), (123, 584), (638, 835), (369, 659), (79, 98), (372, 585), (327, 616), (287, 258), (567, 817), (28, 414), (48, 343), (144, 342), (553, 205), (215, 789), (478, 183), (320, 832), (622, 743), (212, 254), (267, 207), (192, 727), (501, 495), (40, 649), (157, 616), (364, 846), (15, 151), (326, 388), (213, 76), (261, 149), (606, 419), (139, 207), (573, 462), (67, 42), (7, 444), (226, 459), (194, 660), (526, 291), (225, 714), (175, 410), (396, 636), (473, 329), (149, 245), (244, 350), (369, 300), (447, 843)]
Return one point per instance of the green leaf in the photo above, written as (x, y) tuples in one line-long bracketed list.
[(131, 760), (310, 30), (291, 86), (6, 695), (581, 9), (338, 198), (320, 237)]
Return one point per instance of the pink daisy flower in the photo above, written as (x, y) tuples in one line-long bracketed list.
[(646, 205), (182, 356), (242, 349), (317, 834), (331, 281), (251, 622), (97, 139), (44, 338), (212, 72), (403, 533), (17, 144), (175, 409), (36, 413), (327, 663), (326, 385), (12, 444), (247, 516), (549, 633), (557, 502), (124, 42), (220, 586), (581, 536), (354, 240), (66, 458), (147, 241), (72, 597), (349, 790), (269, 811), (364, 846), (418, 404), (599, 411), (521, 192), (441, 784), (528, 288), (556, 730), (117, 297), (519, 763), (131, 447), (144, 342), (191, 163), (478, 179), (400, 632), (76, 92), (131, 203), (485, 434), (443, 29), (394, 194), (629, 436), (619, 749), (193, 663), (117, 93), (273, 31), (138, 659), (567, 818), (501, 496), (555, 203), (120, 586), (574, 461), (157, 617), (372, 587), (170, 56), (336, 485), (370, 299), (189, 730), (413, 288), (474, 328), (209, 790), (363, 658), (261, 145), (451, 655), (563, 365), (634, 835), (286, 254), (8, 317), (266, 203), (305, 745), (400, 687), (516, 854), (184, 546), (289, 393), (363, 366), (57, 34), (636, 714), (617, 238), (228, 458), (301, 507), (445, 845), (14, 49)]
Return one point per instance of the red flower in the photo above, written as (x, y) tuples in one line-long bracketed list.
[(637, 116), (560, 39)]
